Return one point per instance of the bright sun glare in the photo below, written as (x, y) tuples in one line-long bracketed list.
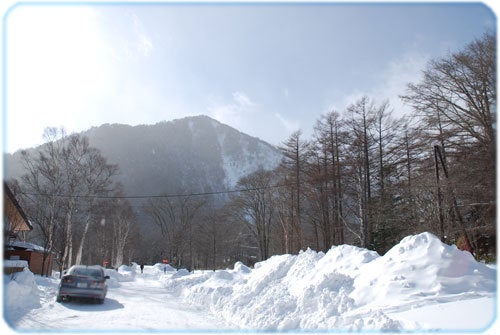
[(57, 63)]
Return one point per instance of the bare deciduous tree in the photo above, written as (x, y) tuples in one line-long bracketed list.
[(293, 150), (255, 207), (66, 173), (177, 218)]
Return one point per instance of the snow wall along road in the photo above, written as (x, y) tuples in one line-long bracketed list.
[(348, 288)]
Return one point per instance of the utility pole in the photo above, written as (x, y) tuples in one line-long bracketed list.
[(438, 155)]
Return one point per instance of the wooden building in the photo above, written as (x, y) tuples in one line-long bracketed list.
[(15, 222), (16, 226), (33, 254)]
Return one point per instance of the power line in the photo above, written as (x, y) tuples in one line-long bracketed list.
[(152, 196), (166, 196)]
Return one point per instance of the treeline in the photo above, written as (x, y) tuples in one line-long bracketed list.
[(365, 177)]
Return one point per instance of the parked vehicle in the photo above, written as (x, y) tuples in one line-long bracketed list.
[(83, 281)]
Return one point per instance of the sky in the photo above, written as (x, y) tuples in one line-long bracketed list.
[(266, 69)]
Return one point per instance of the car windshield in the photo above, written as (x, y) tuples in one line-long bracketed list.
[(86, 272)]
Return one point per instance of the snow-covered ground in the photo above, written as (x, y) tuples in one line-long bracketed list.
[(419, 285)]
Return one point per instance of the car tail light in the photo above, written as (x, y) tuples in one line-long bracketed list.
[(67, 279), (97, 284)]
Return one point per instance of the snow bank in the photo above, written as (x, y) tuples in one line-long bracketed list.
[(21, 291), (348, 288), (160, 268), (126, 273), (287, 292), (421, 268), (123, 274)]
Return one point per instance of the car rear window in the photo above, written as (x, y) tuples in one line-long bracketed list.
[(86, 272)]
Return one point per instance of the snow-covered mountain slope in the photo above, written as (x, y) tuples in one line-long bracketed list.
[(193, 154)]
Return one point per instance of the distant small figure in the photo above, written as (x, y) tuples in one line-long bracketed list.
[(165, 268), (142, 268)]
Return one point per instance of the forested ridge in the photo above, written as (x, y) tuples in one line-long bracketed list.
[(365, 177)]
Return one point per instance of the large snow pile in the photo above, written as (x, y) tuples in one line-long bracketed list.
[(159, 270), (123, 274), (348, 288), (421, 268), (20, 291)]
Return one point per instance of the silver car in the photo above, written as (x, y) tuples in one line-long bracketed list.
[(82, 281)]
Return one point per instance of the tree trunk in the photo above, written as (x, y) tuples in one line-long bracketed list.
[(79, 253), (68, 247)]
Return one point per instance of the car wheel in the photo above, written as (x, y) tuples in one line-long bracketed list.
[(58, 299), (100, 301)]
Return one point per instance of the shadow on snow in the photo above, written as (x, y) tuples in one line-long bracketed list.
[(88, 305)]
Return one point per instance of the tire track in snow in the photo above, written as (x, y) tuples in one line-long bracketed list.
[(137, 305)]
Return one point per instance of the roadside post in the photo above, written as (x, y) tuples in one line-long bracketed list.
[(165, 261)]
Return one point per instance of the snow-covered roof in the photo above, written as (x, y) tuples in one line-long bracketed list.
[(25, 245), (18, 263)]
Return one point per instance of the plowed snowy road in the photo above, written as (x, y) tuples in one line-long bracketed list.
[(139, 305)]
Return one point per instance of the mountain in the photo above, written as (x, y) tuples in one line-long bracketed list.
[(193, 154)]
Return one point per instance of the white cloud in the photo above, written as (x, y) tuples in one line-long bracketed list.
[(144, 44), (235, 113), (290, 126), (400, 73), (286, 92), (392, 84), (242, 100), (246, 115)]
